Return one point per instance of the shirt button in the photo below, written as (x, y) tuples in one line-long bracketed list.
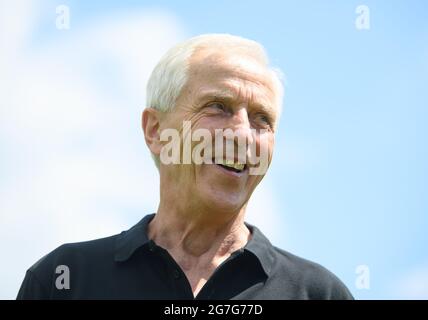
[(176, 274)]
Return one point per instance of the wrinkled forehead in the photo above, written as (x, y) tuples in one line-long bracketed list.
[(222, 68)]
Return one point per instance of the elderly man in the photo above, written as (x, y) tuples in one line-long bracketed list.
[(197, 245)]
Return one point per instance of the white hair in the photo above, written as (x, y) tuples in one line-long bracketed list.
[(171, 73)]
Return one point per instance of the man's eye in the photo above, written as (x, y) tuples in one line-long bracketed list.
[(264, 119), (217, 106)]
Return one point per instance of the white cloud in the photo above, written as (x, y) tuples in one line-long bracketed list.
[(74, 165), (413, 285)]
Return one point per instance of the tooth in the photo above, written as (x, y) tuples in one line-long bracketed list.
[(232, 164), (229, 163), (239, 166)]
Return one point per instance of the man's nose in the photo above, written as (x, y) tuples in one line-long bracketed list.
[(240, 118), (241, 125)]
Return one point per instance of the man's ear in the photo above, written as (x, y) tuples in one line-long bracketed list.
[(151, 128)]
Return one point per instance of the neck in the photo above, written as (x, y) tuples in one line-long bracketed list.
[(198, 237), (196, 233)]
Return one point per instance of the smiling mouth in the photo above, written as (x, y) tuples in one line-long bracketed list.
[(230, 165)]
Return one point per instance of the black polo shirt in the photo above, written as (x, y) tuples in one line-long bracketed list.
[(131, 266)]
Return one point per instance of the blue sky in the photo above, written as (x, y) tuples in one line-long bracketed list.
[(348, 183)]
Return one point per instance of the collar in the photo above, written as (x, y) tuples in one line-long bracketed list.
[(129, 241)]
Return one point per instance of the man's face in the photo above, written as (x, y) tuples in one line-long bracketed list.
[(230, 90)]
